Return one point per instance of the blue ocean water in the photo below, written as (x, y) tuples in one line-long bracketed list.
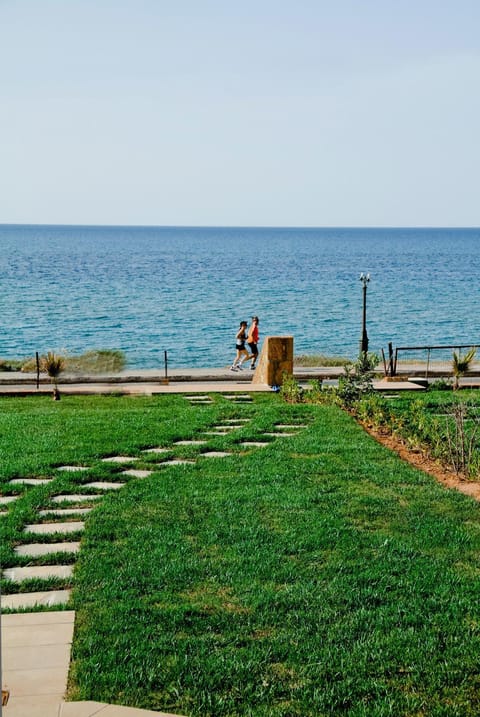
[(149, 289)]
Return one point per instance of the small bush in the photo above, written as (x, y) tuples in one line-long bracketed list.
[(357, 380), (291, 391)]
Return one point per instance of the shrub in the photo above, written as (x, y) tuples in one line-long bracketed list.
[(461, 365), (357, 380), (461, 443), (291, 391)]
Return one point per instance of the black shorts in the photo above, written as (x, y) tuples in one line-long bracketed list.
[(240, 347), (254, 349)]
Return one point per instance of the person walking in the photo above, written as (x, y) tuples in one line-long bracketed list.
[(252, 340), (242, 352)]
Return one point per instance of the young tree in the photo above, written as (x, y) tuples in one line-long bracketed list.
[(461, 365), (54, 364)]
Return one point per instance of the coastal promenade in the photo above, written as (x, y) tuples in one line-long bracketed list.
[(152, 381), (205, 380)]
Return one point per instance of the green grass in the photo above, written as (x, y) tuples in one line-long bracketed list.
[(316, 576), (315, 360)]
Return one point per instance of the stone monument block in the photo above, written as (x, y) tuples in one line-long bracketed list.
[(276, 358)]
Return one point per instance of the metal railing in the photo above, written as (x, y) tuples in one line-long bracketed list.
[(390, 363)]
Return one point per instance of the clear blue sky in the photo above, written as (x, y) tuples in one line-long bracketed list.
[(260, 112)]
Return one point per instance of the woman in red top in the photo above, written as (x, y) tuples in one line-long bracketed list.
[(252, 340)]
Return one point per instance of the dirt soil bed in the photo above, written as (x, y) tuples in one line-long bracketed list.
[(421, 460)]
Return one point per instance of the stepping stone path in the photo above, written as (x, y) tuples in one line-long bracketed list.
[(65, 511), (5, 499), (73, 507), (279, 434), (176, 462), (120, 459), (30, 481), (215, 433), (290, 425), (73, 469), (157, 450), (38, 571), (48, 598), (136, 473), (104, 485), (46, 528), (238, 398), (33, 550), (76, 498)]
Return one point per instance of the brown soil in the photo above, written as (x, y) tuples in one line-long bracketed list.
[(420, 459)]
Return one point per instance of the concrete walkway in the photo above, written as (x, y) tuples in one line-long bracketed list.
[(199, 381)]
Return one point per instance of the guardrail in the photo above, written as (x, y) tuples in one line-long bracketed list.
[(390, 364)]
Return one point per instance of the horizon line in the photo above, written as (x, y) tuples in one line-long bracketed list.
[(239, 226)]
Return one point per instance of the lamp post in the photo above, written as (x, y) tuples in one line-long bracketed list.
[(364, 278)]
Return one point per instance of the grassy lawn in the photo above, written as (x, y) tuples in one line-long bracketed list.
[(316, 576)]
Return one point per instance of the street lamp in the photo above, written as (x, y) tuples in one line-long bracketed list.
[(364, 278)]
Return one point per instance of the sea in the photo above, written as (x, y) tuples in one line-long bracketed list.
[(181, 292)]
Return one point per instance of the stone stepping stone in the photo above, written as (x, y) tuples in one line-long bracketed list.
[(136, 473), (254, 444), (4, 499), (224, 428), (279, 434), (3, 513), (216, 433), (38, 571), (157, 450), (73, 469), (46, 528), (120, 459), (65, 511), (33, 550), (176, 462), (189, 443), (47, 598), (216, 454), (77, 498), (236, 420), (291, 425), (104, 485), (238, 396), (30, 481)]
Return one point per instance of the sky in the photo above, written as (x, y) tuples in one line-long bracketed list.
[(252, 113)]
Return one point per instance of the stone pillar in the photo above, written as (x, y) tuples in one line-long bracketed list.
[(276, 358)]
